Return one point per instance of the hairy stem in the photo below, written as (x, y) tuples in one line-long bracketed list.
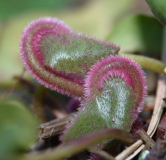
[(147, 63), (65, 151)]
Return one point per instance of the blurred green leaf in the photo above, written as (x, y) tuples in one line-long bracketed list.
[(10, 61), (138, 33), (9, 8), (158, 7), (17, 128), (94, 18)]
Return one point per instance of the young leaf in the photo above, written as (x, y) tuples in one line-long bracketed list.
[(72, 105), (158, 9), (51, 50), (17, 128), (115, 91), (137, 29)]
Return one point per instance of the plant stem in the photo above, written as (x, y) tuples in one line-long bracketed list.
[(56, 108), (147, 63), (38, 103), (67, 150)]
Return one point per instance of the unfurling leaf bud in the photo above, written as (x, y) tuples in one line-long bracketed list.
[(54, 54), (115, 91)]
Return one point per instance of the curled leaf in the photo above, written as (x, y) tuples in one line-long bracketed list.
[(115, 91), (53, 54)]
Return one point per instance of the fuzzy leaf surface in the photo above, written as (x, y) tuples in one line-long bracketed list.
[(73, 52), (55, 55), (105, 111), (115, 91)]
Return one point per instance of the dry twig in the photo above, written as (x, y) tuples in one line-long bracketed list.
[(159, 105), (145, 137), (158, 109), (53, 127), (102, 154)]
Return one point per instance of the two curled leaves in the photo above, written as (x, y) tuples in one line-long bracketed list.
[(112, 88)]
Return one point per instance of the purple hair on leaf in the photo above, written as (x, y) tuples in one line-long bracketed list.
[(60, 59), (55, 55), (114, 89)]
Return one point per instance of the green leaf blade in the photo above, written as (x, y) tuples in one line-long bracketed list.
[(115, 91), (158, 7), (109, 110)]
